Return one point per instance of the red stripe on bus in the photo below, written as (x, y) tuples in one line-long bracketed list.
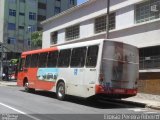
[(40, 51)]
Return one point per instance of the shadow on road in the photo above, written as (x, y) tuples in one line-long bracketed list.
[(101, 104)]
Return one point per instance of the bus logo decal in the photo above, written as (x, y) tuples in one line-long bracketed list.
[(75, 71)]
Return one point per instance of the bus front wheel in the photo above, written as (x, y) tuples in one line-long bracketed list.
[(60, 91), (26, 87)]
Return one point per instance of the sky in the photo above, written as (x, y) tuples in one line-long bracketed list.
[(81, 1)]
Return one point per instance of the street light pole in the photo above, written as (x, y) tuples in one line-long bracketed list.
[(107, 19)]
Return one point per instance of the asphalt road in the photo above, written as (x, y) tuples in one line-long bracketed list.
[(15, 103)]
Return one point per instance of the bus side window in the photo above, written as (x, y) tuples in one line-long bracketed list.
[(21, 64), (92, 54), (64, 58), (27, 62), (42, 59), (34, 60), (52, 59), (78, 57)]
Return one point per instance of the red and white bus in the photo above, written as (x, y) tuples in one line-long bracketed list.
[(84, 69)]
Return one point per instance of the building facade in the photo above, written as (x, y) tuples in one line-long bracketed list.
[(49, 8), (136, 22), (18, 17)]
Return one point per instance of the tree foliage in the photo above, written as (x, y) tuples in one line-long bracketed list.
[(36, 40)]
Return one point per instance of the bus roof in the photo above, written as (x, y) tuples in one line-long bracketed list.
[(70, 44), (39, 51)]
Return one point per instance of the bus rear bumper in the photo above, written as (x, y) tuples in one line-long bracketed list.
[(115, 92)]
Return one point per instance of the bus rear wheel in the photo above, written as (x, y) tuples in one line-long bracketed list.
[(60, 91), (26, 87)]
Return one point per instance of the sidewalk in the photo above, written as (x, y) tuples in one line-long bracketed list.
[(148, 100), (8, 83)]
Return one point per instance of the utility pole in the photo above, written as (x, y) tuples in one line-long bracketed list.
[(107, 19)]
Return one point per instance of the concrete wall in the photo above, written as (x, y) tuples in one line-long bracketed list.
[(149, 83), (141, 35), (85, 17)]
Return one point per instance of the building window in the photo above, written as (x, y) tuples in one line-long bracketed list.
[(72, 2), (32, 16), (12, 12), (33, 3), (11, 26), (100, 23), (11, 40), (31, 28), (29, 42), (54, 37), (12, 1), (22, 1), (147, 11), (21, 27), (41, 17), (57, 10), (22, 14), (39, 28), (149, 58), (72, 32), (41, 5)]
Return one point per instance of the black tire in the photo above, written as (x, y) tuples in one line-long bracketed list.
[(26, 87), (61, 91)]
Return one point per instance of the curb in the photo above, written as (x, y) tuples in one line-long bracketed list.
[(153, 107), (128, 102), (8, 83)]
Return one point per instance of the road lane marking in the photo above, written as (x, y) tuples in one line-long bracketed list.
[(21, 112), (137, 109), (151, 112)]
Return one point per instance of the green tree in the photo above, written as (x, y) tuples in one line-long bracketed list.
[(36, 40)]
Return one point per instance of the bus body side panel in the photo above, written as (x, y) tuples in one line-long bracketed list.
[(46, 78), (92, 75), (31, 74), (73, 78)]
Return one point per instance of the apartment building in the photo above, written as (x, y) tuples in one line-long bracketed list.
[(20, 18), (49, 8), (136, 22), (17, 18)]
